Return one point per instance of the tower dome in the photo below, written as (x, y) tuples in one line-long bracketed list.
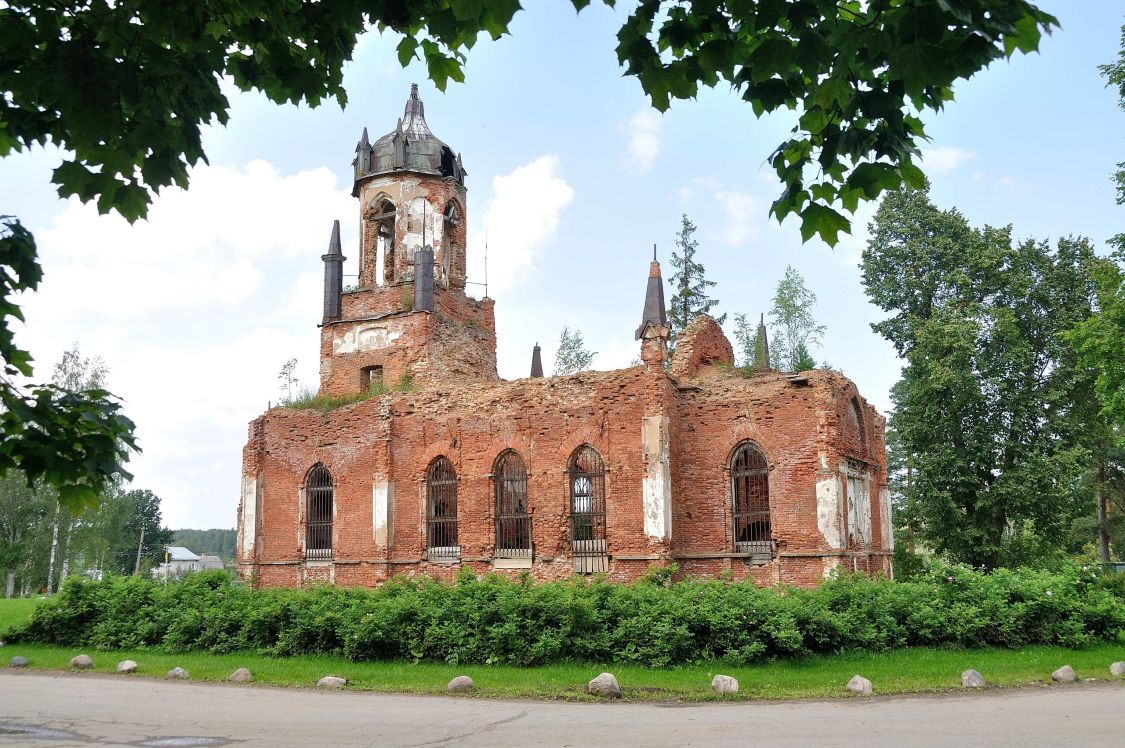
[(411, 146)]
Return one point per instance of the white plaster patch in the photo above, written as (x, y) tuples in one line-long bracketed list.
[(372, 337), (249, 515), (828, 510), (381, 491), (657, 484), (830, 565)]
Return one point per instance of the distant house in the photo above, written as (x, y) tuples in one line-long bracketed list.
[(206, 563), (179, 561)]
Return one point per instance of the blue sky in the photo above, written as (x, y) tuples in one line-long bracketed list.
[(195, 310)]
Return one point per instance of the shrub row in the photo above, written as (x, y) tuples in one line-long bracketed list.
[(651, 622)]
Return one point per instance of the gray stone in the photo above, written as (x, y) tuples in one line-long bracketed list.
[(127, 666), (331, 681), (859, 684), (972, 679), (242, 675), (1065, 674), (18, 661), (604, 685), (460, 683), (724, 684), (1117, 668), (177, 673), (81, 662)]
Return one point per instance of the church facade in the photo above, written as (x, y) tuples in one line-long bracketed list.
[(437, 464)]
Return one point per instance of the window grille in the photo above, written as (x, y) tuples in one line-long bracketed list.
[(858, 505), (749, 475), (441, 510), (587, 511), (513, 522), (318, 517)]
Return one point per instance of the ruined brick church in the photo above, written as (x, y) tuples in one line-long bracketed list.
[(684, 459)]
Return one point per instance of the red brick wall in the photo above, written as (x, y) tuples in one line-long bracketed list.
[(544, 420)]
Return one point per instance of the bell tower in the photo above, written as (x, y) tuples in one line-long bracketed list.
[(411, 190), (408, 323)]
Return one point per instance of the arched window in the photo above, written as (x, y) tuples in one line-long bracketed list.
[(318, 513), (382, 216), (587, 511), (451, 222), (513, 521), (441, 510), (750, 487), (855, 420)]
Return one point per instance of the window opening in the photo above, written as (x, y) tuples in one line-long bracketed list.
[(450, 221), (441, 510), (371, 378), (751, 491), (384, 218), (859, 505), (587, 511), (318, 497), (513, 521)]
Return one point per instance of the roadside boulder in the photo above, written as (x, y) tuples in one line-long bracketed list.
[(127, 666), (972, 679), (604, 685), (724, 684), (242, 675), (859, 684), (18, 661), (1065, 674), (1117, 668), (460, 683), (177, 673), (331, 681), (81, 662)]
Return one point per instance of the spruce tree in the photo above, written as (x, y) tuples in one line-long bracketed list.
[(689, 284)]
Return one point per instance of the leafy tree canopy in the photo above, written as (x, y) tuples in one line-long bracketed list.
[(993, 410), (124, 87), (572, 355), (70, 433), (794, 327)]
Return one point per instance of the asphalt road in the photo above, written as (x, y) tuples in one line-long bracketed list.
[(88, 709)]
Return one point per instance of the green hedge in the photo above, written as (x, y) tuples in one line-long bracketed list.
[(651, 622)]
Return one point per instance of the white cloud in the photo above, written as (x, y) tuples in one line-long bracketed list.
[(741, 216), (521, 217), (643, 132), (944, 159), (194, 311)]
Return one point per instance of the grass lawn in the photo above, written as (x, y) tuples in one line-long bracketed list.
[(904, 671)]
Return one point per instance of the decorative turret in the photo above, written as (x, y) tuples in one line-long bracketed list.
[(536, 362), (761, 360), (411, 146), (654, 331), (333, 275)]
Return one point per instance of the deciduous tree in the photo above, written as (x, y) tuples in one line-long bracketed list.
[(992, 409), (794, 328), (572, 355)]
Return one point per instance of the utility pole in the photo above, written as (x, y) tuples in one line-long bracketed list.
[(140, 545)]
